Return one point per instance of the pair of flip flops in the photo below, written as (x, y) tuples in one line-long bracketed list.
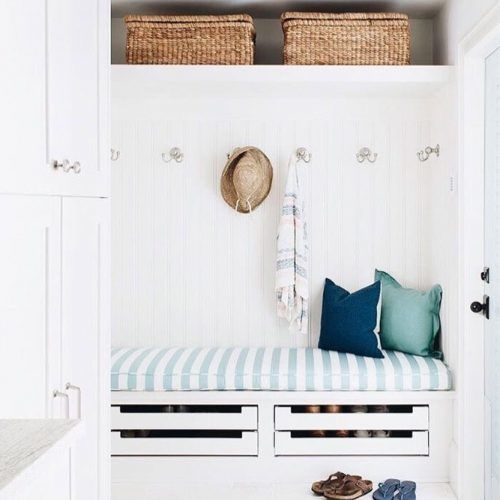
[(340, 486), (396, 489)]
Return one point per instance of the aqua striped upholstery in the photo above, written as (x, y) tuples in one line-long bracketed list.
[(275, 369)]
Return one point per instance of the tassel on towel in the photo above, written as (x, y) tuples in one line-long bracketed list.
[(292, 289)]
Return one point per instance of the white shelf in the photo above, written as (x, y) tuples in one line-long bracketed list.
[(279, 81)]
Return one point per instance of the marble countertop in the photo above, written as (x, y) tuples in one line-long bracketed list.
[(22, 442)]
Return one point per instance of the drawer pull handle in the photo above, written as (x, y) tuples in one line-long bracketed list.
[(77, 168), (58, 394), (71, 387)]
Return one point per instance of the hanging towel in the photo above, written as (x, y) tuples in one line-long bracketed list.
[(292, 289)]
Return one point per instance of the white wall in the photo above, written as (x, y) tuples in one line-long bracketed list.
[(456, 19), (188, 270)]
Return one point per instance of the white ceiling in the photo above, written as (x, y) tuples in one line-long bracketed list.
[(273, 8)]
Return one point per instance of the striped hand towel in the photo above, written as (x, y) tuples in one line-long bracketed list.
[(292, 289)]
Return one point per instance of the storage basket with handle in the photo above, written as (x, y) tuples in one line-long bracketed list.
[(350, 39), (190, 39)]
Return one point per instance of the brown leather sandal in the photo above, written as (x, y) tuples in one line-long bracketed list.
[(350, 489), (333, 480)]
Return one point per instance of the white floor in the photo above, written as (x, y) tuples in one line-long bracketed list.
[(294, 491)]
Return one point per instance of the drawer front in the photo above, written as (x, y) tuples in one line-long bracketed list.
[(246, 420), (246, 445), (417, 445), (286, 420)]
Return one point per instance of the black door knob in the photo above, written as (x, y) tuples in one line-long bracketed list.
[(476, 307), (484, 307)]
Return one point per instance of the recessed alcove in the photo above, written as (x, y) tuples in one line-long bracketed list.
[(425, 24)]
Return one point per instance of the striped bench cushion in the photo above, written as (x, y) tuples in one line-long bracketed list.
[(274, 369)]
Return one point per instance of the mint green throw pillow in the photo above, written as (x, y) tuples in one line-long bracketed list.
[(410, 318)]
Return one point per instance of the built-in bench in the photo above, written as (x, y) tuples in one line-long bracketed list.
[(173, 407)]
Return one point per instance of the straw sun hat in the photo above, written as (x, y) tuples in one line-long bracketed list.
[(246, 179)]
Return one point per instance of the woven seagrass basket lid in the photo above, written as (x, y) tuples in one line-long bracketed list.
[(246, 179)]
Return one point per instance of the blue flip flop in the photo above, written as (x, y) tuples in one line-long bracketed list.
[(387, 490), (407, 491)]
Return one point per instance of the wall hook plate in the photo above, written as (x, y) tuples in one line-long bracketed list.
[(425, 154), (174, 154), (366, 154), (303, 155)]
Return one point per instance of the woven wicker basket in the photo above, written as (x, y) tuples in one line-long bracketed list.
[(190, 39), (351, 39)]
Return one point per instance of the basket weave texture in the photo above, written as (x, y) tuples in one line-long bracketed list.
[(190, 39), (350, 39)]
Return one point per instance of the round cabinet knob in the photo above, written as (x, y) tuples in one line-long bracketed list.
[(64, 165), (476, 307), (77, 168)]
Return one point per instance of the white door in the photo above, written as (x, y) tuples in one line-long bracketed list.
[(492, 279), (29, 304), (53, 97), (85, 338), (22, 98), (77, 48)]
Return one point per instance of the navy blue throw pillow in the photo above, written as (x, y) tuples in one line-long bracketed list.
[(349, 320)]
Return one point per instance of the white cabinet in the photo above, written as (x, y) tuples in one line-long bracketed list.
[(22, 98), (54, 97), (48, 479), (76, 92), (54, 307), (30, 236), (36, 461), (54, 223), (85, 337)]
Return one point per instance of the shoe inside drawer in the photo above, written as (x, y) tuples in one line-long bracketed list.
[(410, 443), (182, 442), (184, 417), (348, 418)]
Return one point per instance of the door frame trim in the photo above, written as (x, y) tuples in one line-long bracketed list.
[(473, 51)]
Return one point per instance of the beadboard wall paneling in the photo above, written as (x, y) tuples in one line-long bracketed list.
[(187, 269), (443, 217)]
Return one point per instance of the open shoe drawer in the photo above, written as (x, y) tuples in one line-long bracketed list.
[(245, 444), (287, 420), (417, 444), (239, 418)]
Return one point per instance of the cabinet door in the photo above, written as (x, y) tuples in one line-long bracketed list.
[(54, 96), (85, 337), (29, 304), (77, 74), (48, 478), (22, 98)]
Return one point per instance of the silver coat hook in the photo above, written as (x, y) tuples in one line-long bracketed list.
[(174, 154), (115, 154), (428, 151), (303, 155), (366, 154)]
